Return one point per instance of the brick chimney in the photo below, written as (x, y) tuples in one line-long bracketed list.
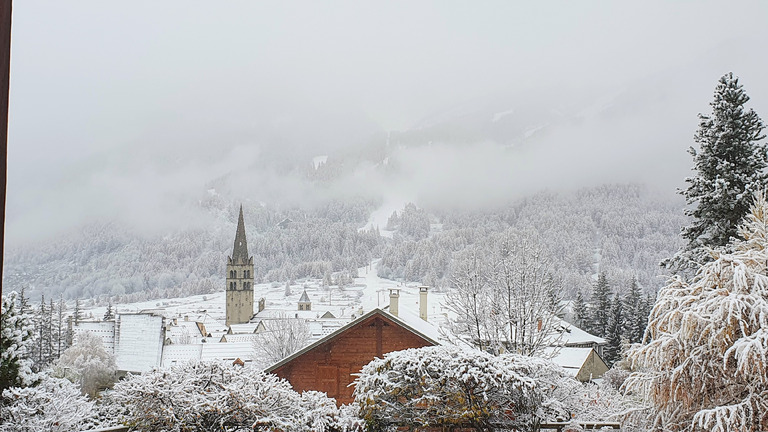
[(423, 302), (394, 301)]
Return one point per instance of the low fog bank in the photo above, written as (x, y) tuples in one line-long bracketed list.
[(483, 154)]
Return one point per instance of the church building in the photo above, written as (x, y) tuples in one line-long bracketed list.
[(239, 279)]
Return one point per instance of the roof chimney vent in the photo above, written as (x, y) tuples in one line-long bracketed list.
[(423, 302), (394, 301)]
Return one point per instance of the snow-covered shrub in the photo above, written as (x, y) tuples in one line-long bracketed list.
[(615, 377), (54, 405), (210, 396), (704, 363), (88, 364), (450, 386)]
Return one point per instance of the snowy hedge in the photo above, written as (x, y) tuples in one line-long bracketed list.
[(216, 396), (449, 386), (54, 405)]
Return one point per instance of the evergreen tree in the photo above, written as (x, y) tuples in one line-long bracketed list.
[(15, 345), (42, 336), (615, 331), (61, 332), (635, 313), (730, 167), (24, 301), (109, 315), (580, 312), (53, 341), (77, 312), (600, 307)]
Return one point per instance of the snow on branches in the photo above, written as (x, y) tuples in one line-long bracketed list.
[(88, 363), (704, 363), (54, 405), (507, 300), (450, 386), (15, 344), (730, 166), (215, 396)]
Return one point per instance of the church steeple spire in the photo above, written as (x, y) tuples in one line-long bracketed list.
[(240, 250), (239, 278)]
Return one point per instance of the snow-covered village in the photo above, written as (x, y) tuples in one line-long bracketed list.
[(384, 216)]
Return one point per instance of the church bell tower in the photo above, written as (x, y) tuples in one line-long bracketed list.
[(239, 278)]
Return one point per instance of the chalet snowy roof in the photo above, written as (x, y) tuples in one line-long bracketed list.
[(424, 330), (575, 336), (582, 363), (410, 319), (572, 359)]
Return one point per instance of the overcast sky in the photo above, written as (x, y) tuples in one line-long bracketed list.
[(101, 90)]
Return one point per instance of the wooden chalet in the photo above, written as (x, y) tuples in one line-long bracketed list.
[(328, 365)]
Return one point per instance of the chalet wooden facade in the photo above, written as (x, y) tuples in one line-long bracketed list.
[(328, 364)]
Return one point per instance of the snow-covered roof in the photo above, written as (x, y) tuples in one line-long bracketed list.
[(576, 336), (183, 330), (227, 351), (139, 342), (423, 330), (415, 322), (176, 354), (246, 328), (571, 359), (231, 338)]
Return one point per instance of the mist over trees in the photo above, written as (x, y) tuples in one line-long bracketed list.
[(624, 230), (109, 260), (621, 230)]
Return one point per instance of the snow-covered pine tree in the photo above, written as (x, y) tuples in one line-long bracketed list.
[(78, 311), (109, 315), (42, 355), (15, 345), (704, 360), (635, 313), (61, 330), (615, 331), (580, 311), (600, 306), (730, 166), (24, 301)]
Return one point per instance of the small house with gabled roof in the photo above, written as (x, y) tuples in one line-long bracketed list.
[(329, 364)]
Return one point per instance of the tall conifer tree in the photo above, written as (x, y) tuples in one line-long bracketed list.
[(730, 166), (600, 307), (615, 330), (635, 313)]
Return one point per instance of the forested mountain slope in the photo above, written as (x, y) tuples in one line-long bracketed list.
[(110, 259), (623, 230)]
